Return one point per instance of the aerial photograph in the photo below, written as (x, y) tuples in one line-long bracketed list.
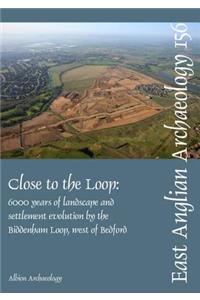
[(93, 90)]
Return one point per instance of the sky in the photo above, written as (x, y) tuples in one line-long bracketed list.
[(136, 29)]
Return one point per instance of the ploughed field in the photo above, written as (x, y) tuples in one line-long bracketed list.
[(101, 113)]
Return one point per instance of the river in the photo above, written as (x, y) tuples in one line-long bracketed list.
[(170, 79)]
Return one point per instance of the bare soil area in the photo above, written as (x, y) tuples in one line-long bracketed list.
[(112, 100)]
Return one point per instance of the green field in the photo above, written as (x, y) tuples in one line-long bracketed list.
[(56, 72), (75, 76), (4, 115), (81, 78), (4, 70), (25, 110), (166, 101)]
